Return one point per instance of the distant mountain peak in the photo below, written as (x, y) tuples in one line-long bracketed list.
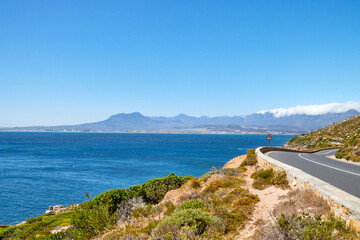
[(133, 114), (296, 122), (182, 115)]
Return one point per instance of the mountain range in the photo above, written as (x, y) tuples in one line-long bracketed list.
[(253, 123)]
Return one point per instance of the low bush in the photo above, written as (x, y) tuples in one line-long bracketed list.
[(37, 227), (214, 185), (314, 228), (265, 178), (247, 199), (127, 207), (262, 179), (170, 208), (155, 189), (171, 232), (234, 221), (280, 179), (56, 236), (339, 155), (91, 218), (229, 171), (195, 220), (194, 183), (266, 174), (112, 198), (250, 158), (34, 219), (192, 204)]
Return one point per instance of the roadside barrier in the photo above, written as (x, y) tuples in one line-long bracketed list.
[(342, 204)]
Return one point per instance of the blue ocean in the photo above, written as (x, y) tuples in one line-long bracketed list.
[(42, 169)]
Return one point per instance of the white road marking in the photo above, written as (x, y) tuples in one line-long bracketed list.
[(357, 174)]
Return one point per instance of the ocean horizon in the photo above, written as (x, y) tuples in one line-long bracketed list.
[(39, 169)]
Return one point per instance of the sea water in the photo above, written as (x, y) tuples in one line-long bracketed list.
[(42, 169)]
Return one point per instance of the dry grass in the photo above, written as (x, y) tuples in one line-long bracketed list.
[(299, 201), (226, 198), (294, 204)]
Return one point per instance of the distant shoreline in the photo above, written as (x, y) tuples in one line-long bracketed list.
[(154, 132)]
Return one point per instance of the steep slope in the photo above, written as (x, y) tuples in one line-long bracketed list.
[(344, 134)]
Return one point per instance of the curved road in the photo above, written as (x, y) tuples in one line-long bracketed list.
[(342, 175)]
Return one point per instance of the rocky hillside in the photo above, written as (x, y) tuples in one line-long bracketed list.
[(344, 134)]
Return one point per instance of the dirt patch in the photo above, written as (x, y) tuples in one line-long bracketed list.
[(179, 195), (269, 199), (235, 162)]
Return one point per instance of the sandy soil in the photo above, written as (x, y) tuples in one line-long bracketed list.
[(235, 162), (269, 198)]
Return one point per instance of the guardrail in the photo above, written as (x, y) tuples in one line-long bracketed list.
[(268, 149), (342, 204)]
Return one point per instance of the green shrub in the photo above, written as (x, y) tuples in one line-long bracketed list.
[(56, 236), (314, 228), (247, 199), (234, 221), (170, 208), (152, 225), (112, 198), (194, 219), (152, 191), (339, 155), (155, 189), (37, 227), (192, 204), (266, 174), (250, 158), (280, 179), (91, 218), (229, 171), (6, 232), (263, 178), (34, 219)]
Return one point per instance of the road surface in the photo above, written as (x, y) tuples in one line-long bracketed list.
[(339, 174)]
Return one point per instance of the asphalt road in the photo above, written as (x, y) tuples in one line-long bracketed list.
[(339, 174)]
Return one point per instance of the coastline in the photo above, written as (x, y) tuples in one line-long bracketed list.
[(154, 132), (257, 205)]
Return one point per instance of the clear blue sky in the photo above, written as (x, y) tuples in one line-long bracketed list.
[(64, 62)]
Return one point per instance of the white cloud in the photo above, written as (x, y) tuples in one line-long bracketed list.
[(314, 109)]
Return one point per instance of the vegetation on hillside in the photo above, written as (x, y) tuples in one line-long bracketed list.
[(38, 227), (304, 216), (267, 177), (250, 159), (344, 134), (94, 216), (214, 206)]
